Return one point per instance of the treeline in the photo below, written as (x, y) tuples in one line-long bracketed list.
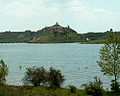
[(95, 38), (16, 37), (29, 36), (53, 34)]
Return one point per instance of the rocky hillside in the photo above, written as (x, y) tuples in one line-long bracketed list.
[(55, 33)]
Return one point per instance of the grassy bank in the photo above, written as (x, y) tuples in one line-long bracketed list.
[(37, 91), (43, 91)]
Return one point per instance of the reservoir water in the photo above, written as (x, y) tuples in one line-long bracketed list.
[(77, 62)]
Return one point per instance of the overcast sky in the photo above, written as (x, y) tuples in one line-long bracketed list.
[(81, 15)]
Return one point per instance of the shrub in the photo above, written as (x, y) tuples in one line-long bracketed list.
[(3, 72), (35, 76), (55, 78), (38, 76), (115, 86), (72, 89), (94, 88)]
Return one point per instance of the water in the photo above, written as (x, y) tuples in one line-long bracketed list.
[(77, 62)]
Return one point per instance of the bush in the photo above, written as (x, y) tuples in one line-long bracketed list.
[(35, 76), (72, 89), (115, 86), (38, 76), (55, 78), (94, 88), (3, 72)]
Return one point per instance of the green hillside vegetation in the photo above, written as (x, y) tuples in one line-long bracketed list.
[(94, 36), (16, 37), (56, 33), (53, 34)]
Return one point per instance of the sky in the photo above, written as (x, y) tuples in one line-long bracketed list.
[(81, 15)]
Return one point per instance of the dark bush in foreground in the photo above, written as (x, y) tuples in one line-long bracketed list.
[(73, 89), (55, 78), (35, 76), (95, 88), (115, 86), (3, 72), (39, 76)]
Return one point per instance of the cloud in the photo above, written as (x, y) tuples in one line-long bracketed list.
[(118, 5), (19, 9), (29, 8), (74, 12)]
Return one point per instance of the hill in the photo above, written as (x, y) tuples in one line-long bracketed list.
[(53, 34), (56, 33), (95, 38), (16, 37)]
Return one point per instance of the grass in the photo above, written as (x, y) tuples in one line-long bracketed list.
[(37, 91), (113, 94), (43, 91)]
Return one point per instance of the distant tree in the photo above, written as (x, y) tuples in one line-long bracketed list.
[(3, 71), (35, 76), (28, 31), (109, 59), (55, 78)]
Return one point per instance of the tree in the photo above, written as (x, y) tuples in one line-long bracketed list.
[(109, 59), (55, 78), (38, 75), (35, 76), (3, 71), (73, 89), (95, 88)]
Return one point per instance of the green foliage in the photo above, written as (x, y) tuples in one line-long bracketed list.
[(37, 91), (12, 91), (115, 86), (3, 72), (94, 36), (56, 34), (95, 88), (16, 37), (55, 78), (109, 60), (53, 34), (44, 91), (35, 76), (73, 89), (109, 93), (93, 41), (39, 76)]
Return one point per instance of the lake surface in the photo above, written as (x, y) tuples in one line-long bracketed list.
[(77, 62)]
